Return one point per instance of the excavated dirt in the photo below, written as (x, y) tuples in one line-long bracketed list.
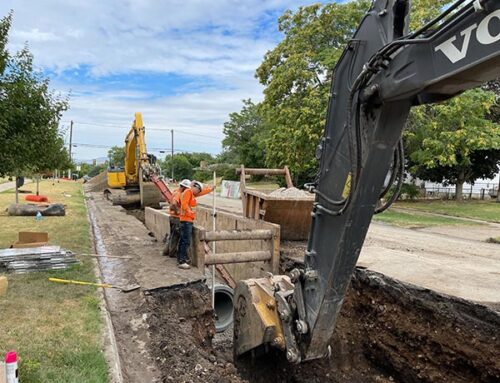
[(387, 332)]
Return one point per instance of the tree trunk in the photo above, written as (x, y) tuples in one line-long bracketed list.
[(459, 187), (17, 191)]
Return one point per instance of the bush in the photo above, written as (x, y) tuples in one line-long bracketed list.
[(410, 191), (230, 175), (202, 175)]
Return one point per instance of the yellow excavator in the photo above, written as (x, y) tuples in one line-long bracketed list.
[(138, 181)]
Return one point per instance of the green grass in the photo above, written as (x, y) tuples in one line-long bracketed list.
[(483, 210), (55, 328), (403, 219)]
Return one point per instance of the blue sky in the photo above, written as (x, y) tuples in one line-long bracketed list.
[(184, 64)]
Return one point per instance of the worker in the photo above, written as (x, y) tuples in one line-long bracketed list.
[(172, 242), (187, 217), (172, 239), (203, 189)]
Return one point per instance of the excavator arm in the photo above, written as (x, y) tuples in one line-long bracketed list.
[(136, 154), (383, 72)]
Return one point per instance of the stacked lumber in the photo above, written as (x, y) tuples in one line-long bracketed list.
[(42, 258)]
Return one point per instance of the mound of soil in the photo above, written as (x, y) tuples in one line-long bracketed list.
[(387, 332), (181, 324)]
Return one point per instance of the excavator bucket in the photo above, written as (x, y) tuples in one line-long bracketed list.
[(256, 314)]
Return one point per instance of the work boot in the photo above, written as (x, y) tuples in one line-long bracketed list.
[(184, 266)]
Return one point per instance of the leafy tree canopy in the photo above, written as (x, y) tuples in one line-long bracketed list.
[(116, 156), (455, 141), (30, 141), (184, 164), (297, 75), (244, 141)]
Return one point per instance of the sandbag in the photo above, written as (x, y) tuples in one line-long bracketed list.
[(53, 210)]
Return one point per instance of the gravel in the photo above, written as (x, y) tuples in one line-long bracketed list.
[(291, 193)]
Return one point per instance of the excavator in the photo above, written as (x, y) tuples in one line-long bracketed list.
[(139, 179), (383, 72)]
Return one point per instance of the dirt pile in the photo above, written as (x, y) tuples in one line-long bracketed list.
[(97, 183), (419, 335), (181, 326), (387, 332)]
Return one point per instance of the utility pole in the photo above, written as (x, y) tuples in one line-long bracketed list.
[(172, 155), (70, 145)]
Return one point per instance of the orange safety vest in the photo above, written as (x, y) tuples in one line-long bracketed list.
[(175, 206), (206, 190), (188, 206)]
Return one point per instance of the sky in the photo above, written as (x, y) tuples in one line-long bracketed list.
[(184, 64)]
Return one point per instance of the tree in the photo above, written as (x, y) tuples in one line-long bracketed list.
[(454, 142), (92, 170), (244, 136), (297, 75), (197, 158), (116, 156), (30, 141), (182, 167)]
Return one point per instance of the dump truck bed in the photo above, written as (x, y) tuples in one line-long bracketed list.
[(293, 214)]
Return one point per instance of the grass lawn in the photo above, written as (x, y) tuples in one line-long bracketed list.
[(403, 219), (484, 210), (55, 328)]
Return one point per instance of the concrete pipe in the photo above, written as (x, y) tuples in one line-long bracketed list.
[(223, 307)]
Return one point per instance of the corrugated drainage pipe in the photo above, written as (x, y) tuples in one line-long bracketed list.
[(223, 307)]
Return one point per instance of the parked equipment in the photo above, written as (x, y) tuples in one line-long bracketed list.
[(383, 72), (139, 180), (291, 212)]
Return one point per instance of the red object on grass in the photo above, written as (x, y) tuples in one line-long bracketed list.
[(11, 357), (36, 198)]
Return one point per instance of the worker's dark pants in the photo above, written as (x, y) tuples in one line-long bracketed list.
[(185, 241), (172, 241)]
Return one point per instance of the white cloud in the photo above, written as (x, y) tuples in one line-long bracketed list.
[(185, 37), (222, 41), (197, 118)]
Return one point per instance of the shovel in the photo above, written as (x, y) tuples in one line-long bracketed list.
[(125, 289)]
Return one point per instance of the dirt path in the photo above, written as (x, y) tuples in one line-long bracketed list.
[(117, 233), (436, 259), (460, 267), (11, 185)]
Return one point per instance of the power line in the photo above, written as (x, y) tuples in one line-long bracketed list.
[(100, 146), (100, 125)]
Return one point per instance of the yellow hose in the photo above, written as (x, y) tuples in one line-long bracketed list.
[(80, 282)]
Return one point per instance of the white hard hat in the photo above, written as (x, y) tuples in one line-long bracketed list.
[(185, 182), (198, 184)]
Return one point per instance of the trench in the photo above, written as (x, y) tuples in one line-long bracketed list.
[(388, 331)]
